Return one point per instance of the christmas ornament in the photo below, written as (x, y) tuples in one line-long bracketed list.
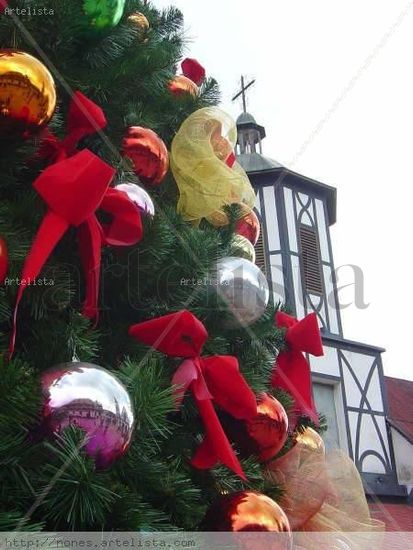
[(4, 260), (192, 69), (247, 511), (181, 85), (269, 429), (243, 288), (264, 435), (220, 218), (181, 334), (292, 372), (74, 189), (139, 22), (103, 14), (148, 154), (206, 183), (311, 440), (27, 94), (249, 226), (242, 248), (93, 399), (139, 197)]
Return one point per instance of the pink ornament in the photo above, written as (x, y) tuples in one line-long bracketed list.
[(91, 398), (139, 196)]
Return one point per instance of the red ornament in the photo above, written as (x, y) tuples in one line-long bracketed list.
[(263, 435), (4, 260), (181, 85), (247, 511), (269, 429), (148, 153), (249, 226), (193, 70)]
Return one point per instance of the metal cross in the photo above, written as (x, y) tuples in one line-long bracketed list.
[(244, 88)]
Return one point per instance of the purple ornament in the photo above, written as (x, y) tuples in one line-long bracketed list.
[(138, 196), (91, 398)]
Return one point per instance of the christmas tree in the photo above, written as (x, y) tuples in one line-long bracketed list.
[(109, 259)]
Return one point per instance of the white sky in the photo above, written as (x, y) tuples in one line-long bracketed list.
[(335, 93)]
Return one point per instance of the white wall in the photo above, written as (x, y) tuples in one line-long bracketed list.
[(403, 452)]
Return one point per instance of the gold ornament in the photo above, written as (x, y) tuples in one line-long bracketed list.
[(242, 248), (27, 94), (181, 85), (311, 440), (139, 22), (247, 511)]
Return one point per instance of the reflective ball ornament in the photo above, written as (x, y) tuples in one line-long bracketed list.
[(181, 85), (246, 511), (103, 14), (4, 260), (140, 197), (93, 399), (27, 94), (242, 248), (310, 440), (148, 153), (269, 429), (140, 23), (243, 288), (249, 225)]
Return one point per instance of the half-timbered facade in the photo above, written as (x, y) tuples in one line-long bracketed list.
[(295, 252)]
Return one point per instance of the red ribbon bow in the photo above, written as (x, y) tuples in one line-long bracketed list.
[(292, 372), (211, 379), (193, 70), (73, 189)]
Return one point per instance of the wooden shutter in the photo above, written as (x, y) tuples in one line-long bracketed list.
[(260, 256), (310, 258)]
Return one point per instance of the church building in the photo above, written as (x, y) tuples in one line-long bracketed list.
[(295, 253)]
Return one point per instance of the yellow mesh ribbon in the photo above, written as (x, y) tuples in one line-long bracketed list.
[(206, 183), (324, 494)]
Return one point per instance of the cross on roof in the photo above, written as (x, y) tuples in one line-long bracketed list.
[(242, 93)]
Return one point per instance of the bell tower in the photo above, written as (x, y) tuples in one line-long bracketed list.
[(296, 214), (295, 253)]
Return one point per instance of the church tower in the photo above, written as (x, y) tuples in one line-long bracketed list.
[(295, 253)]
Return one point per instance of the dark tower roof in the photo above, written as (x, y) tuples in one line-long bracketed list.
[(259, 168), (249, 149)]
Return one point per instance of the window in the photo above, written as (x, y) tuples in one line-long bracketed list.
[(310, 258), (325, 404)]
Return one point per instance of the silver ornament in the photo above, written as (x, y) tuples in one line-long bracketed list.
[(93, 399), (139, 196), (243, 287)]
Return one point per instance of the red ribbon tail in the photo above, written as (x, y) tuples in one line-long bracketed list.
[(216, 447), (51, 230), (90, 245), (293, 375)]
